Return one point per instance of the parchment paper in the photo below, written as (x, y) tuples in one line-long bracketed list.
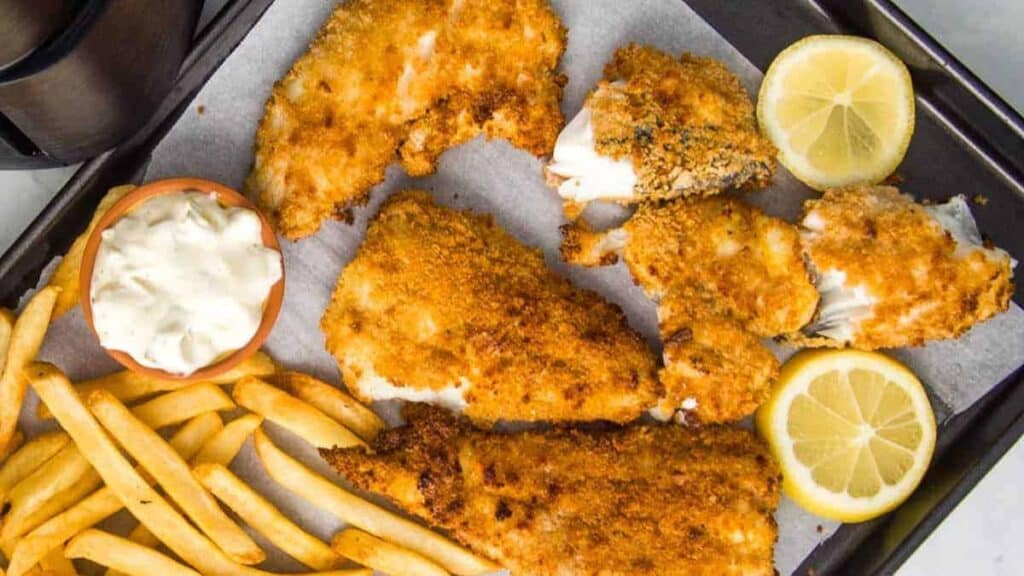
[(495, 178)]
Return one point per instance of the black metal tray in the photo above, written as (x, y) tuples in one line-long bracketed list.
[(967, 140)]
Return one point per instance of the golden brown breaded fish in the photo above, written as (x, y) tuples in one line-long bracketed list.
[(403, 80), (723, 274), (637, 500), (685, 126), (894, 273), (714, 369), (445, 307)]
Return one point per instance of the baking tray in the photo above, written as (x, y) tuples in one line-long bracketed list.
[(967, 140)]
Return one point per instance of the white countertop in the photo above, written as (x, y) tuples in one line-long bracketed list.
[(983, 535)]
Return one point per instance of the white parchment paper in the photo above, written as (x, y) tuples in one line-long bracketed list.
[(489, 177)]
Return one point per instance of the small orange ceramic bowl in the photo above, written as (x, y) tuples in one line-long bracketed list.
[(227, 197)]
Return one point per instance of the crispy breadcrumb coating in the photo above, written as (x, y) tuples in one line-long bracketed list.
[(723, 274), (714, 369), (445, 307), (896, 273), (636, 500), (686, 124), (403, 80)]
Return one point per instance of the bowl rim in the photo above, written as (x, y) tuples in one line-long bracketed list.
[(225, 196)]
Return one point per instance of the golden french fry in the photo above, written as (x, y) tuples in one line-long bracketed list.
[(16, 442), (7, 321), (145, 503), (128, 386), (180, 405), (55, 563), (174, 476), (124, 555), (222, 448), (368, 550), (194, 434), (102, 503), (260, 514), (66, 275), (332, 402), (26, 338), (56, 474), (21, 519), (382, 523), (28, 459), (141, 535), (293, 414)]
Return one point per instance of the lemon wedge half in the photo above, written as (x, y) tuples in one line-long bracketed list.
[(852, 431), (840, 110)]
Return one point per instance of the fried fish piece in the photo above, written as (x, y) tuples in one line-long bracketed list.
[(633, 500), (723, 274), (894, 273), (714, 369), (657, 128), (403, 80), (445, 307)]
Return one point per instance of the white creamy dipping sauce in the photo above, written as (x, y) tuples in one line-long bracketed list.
[(181, 281)]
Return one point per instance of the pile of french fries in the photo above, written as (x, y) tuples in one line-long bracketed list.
[(110, 454)]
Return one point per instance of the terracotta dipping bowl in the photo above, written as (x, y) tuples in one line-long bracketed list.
[(227, 197)]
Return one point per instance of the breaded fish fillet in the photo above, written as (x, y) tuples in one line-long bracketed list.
[(894, 273), (637, 500), (403, 80), (723, 274), (658, 127), (443, 306)]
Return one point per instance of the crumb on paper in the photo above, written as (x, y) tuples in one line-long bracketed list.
[(200, 109), (820, 529)]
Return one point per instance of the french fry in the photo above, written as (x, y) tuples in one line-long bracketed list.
[(174, 476), (293, 414), (28, 459), (364, 515), (55, 475), (368, 550), (260, 514), (128, 386), (20, 520), (65, 276), (7, 320), (102, 503), (145, 503), (124, 555), (141, 535), (332, 402), (56, 563), (16, 442), (34, 500), (222, 448), (26, 338), (180, 405)]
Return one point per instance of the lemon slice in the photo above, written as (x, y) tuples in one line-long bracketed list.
[(840, 109), (852, 431)]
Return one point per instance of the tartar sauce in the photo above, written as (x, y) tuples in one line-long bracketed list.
[(181, 281)]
